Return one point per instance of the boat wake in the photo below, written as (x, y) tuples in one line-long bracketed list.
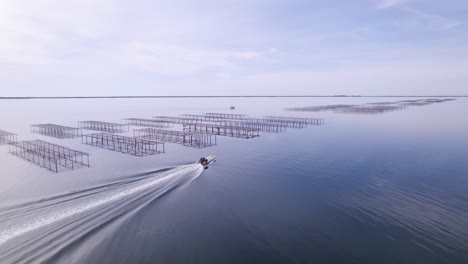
[(43, 231)]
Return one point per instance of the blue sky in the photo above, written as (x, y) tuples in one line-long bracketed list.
[(117, 47)]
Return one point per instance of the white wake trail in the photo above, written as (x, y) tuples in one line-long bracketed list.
[(97, 201)]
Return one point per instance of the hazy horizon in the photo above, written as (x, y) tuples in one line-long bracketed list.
[(218, 96)]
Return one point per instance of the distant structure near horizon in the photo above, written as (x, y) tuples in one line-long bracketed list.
[(369, 108), (221, 96)]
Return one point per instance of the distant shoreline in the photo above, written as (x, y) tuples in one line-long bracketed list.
[(214, 96)]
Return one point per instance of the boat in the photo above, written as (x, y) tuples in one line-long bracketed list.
[(206, 161)]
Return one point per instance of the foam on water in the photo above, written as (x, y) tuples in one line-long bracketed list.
[(23, 223)]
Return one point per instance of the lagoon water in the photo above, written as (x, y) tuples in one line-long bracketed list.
[(382, 188)]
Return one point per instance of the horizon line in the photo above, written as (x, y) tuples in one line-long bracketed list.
[(208, 96)]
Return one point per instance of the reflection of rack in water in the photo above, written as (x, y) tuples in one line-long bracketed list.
[(53, 157)]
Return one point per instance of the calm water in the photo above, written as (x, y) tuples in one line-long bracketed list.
[(386, 188)]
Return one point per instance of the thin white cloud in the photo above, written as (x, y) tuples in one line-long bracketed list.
[(42, 35), (382, 4), (432, 21), (76, 35), (174, 60), (116, 43), (403, 77), (420, 18)]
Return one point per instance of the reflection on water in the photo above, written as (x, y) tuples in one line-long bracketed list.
[(359, 189)]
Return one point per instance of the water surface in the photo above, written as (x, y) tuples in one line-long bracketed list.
[(385, 188)]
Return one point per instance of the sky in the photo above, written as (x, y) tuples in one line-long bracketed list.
[(212, 47)]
